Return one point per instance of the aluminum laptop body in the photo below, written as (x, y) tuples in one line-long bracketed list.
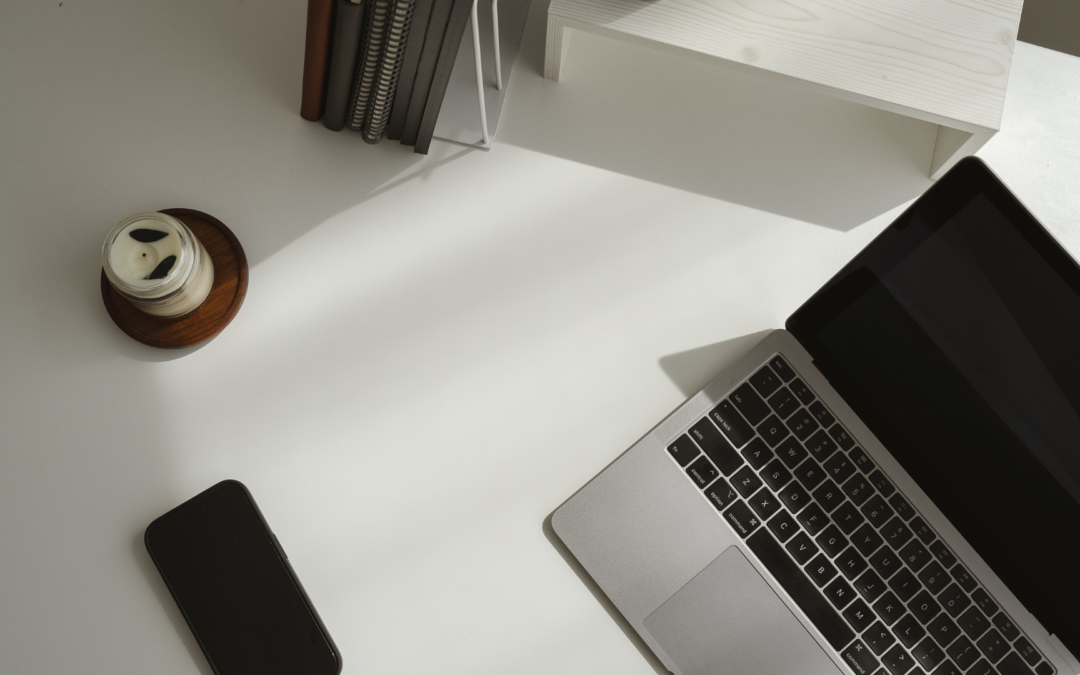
[(890, 485)]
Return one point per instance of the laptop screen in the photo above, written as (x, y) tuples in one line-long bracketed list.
[(955, 336)]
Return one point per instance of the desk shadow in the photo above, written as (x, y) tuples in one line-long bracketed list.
[(602, 598), (693, 369), (153, 579), (717, 131)]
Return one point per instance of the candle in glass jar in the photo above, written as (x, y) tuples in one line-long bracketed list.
[(154, 261)]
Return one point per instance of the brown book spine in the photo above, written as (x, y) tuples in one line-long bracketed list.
[(320, 28)]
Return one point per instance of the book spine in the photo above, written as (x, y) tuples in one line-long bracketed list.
[(397, 37), (409, 62), (349, 19), (320, 20), (425, 69), (459, 18), (367, 66)]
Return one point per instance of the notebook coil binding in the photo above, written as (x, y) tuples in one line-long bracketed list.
[(367, 65), (391, 60)]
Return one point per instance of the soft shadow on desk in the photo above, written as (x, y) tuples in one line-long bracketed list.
[(602, 598), (693, 369), (153, 579), (712, 130)]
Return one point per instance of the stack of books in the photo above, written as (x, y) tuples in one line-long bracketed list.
[(381, 67)]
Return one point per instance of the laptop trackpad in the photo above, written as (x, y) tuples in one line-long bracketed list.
[(727, 619)]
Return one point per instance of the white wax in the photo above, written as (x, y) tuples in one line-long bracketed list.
[(192, 297), (133, 261)]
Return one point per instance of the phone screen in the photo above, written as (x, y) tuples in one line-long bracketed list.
[(238, 594)]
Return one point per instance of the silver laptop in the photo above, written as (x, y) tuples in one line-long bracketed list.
[(890, 485)]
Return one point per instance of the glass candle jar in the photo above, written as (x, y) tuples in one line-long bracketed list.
[(154, 261)]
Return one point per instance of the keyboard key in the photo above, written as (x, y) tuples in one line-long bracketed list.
[(764, 503), (982, 668), (1026, 650), (927, 654), (821, 571), (962, 576), (840, 468), (791, 452), (721, 494), (934, 577), (859, 615), (973, 623), (882, 484), (702, 472), (683, 450), (870, 586), (963, 652), (904, 584), (757, 453), (924, 607), (832, 626), (776, 475), (885, 562), (839, 593), (783, 402), (802, 424), (810, 474), (731, 422), (828, 496), (889, 608), (746, 481), (841, 437), (1044, 668), (902, 508), (821, 414), (984, 602), (794, 497), (943, 630), (1012, 665), (781, 368), (783, 526), (813, 519), (954, 600), (866, 540), (879, 638), (909, 631), (751, 405), (802, 392), (847, 518), (820, 446), (772, 430), (765, 381), (861, 460), (895, 533), (832, 541), (850, 563), (859, 658), (715, 446), (915, 556), (801, 548), (897, 661), (943, 554), (922, 530), (1005, 625), (877, 511), (742, 519), (858, 489), (948, 668), (993, 646)]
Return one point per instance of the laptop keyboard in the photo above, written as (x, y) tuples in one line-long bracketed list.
[(886, 593)]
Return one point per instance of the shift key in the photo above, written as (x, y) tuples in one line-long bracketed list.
[(716, 447), (738, 430)]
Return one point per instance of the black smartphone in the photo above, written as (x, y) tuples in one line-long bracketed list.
[(236, 589)]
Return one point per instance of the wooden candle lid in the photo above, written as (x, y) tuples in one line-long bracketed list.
[(226, 296)]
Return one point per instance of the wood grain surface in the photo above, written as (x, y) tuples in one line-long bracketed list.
[(226, 295), (944, 61)]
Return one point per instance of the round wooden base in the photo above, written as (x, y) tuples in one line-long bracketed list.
[(226, 296)]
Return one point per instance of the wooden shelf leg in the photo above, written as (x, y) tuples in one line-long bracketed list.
[(952, 145), (558, 39)]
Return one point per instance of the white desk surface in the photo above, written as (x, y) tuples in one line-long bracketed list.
[(434, 352)]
